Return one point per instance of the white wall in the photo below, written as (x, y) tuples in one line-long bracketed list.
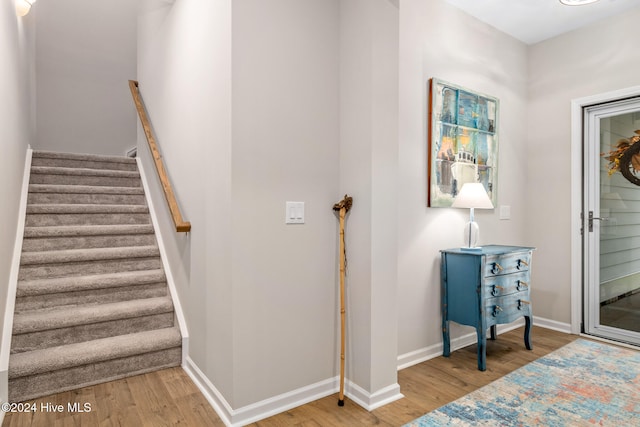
[(302, 106), (310, 125), (368, 173), (285, 147), (184, 55), (268, 105), (85, 54), (438, 40), (597, 59), (259, 296), (15, 130)]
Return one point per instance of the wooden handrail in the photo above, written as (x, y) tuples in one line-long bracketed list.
[(181, 225)]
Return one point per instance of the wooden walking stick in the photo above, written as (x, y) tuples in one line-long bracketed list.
[(342, 207)]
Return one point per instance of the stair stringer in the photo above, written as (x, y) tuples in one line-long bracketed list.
[(5, 347), (177, 307)]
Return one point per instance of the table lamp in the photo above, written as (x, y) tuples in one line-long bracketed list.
[(24, 6), (472, 196)]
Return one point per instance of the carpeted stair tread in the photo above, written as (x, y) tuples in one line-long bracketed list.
[(83, 157), (83, 255), (86, 198), (87, 161), (83, 283), (84, 209), (57, 175), (50, 215), (54, 220), (87, 241), (42, 271), (83, 189), (85, 353), (87, 230), (56, 170), (64, 317), (92, 302)]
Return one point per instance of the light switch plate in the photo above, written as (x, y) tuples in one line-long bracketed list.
[(294, 213), (505, 212)]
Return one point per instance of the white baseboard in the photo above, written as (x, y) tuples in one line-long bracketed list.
[(210, 392), (283, 402), (259, 410), (552, 324), (371, 401), (418, 356), (13, 284)]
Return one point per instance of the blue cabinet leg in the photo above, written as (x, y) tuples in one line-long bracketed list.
[(446, 346), (527, 332), (482, 348), (493, 332)]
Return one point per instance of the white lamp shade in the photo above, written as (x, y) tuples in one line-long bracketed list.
[(24, 6), (577, 2), (472, 195)]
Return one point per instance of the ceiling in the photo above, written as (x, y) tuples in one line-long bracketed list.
[(532, 21)]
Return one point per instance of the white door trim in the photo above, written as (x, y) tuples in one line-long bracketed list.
[(576, 194)]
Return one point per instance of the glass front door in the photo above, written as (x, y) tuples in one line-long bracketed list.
[(612, 226)]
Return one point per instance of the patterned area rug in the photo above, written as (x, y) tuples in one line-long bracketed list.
[(581, 384)]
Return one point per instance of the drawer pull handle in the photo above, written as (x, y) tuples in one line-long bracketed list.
[(496, 268), (522, 303), (522, 262), (496, 290), (522, 285), (496, 310)]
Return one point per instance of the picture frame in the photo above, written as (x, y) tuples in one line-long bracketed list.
[(462, 141)]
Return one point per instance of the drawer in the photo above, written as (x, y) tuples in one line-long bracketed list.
[(506, 284), (508, 308), (496, 265)]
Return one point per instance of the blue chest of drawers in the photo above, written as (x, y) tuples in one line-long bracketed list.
[(483, 288)]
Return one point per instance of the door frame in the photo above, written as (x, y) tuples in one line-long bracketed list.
[(577, 222)]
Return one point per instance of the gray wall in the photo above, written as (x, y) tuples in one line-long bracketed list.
[(16, 39), (85, 53)]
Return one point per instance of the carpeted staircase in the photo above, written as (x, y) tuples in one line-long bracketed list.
[(92, 303)]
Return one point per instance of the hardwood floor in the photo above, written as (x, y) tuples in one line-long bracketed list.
[(162, 398), (169, 397), (430, 384)]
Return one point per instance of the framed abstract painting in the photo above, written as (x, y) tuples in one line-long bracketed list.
[(462, 142)]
